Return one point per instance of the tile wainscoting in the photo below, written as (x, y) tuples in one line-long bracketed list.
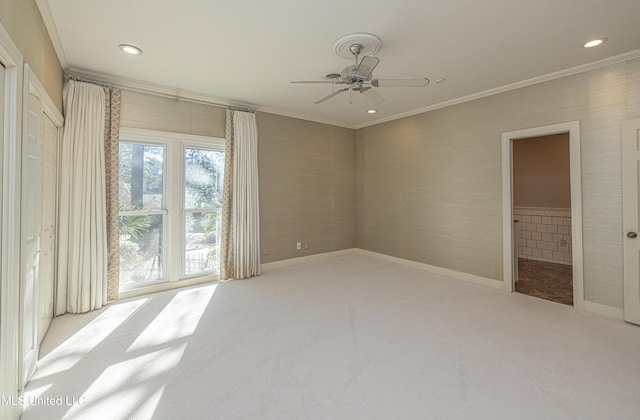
[(543, 234)]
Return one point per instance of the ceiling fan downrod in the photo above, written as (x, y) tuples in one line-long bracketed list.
[(355, 50)]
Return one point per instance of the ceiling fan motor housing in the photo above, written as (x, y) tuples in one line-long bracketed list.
[(359, 76), (349, 75)]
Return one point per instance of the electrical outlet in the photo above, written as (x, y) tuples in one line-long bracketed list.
[(265, 251), (299, 246), (305, 245)]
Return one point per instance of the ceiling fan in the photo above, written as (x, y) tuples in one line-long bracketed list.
[(358, 78)]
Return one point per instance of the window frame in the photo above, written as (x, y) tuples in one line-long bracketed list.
[(163, 211), (184, 210), (173, 204)]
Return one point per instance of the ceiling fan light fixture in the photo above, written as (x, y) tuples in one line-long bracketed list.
[(595, 42), (130, 49)]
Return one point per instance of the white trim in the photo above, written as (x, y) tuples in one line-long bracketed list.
[(173, 234), (167, 191), (165, 136), (32, 86), (496, 284), (630, 212), (604, 310), (36, 88), (183, 210), (513, 86), (172, 92), (191, 96), (592, 307), (458, 275), (12, 60), (161, 287), (52, 30), (573, 128), (306, 259)]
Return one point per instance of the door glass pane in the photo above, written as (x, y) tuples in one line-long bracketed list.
[(141, 177), (202, 242), (203, 178), (140, 249)]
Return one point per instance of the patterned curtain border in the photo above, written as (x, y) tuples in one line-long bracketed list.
[(111, 149), (226, 240)]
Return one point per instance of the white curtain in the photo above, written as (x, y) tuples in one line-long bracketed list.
[(82, 243), (245, 206)]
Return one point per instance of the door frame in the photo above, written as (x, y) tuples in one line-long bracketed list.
[(33, 86), (12, 60), (508, 240), (631, 311)]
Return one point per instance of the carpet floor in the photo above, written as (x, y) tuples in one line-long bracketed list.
[(350, 337)]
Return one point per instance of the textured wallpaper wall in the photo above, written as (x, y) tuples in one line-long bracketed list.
[(22, 21), (428, 187), (306, 172)]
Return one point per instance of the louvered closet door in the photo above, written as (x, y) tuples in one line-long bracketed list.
[(48, 226), (31, 233)]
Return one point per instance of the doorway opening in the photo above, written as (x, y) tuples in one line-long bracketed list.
[(542, 217), (542, 213)]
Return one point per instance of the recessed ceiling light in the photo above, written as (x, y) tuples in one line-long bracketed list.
[(372, 111), (595, 42), (130, 49)]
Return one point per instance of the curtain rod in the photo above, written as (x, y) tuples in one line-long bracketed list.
[(176, 98), (237, 108), (79, 78)]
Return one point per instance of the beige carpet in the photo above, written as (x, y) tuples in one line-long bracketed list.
[(345, 338)]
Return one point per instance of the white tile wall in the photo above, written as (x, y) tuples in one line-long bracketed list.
[(543, 234)]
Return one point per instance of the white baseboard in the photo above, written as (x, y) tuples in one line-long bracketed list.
[(596, 308), (163, 287), (604, 310), (434, 269), (407, 263), (306, 259)]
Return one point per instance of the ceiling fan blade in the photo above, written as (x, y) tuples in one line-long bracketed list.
[(337, 92), (317, 81), (373, 96), (366, 66), (401, 82)]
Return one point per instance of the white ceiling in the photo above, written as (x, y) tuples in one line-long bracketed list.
[(248, 52)]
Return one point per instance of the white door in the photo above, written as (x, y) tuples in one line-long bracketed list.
[(48, 227), (631, 218), (31, 238), (2, 80)]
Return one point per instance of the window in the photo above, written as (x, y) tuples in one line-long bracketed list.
[(203, 172), (170, 190), (142, 213)]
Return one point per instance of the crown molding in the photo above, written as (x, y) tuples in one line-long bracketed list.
[(193, 96), (190, 95), (524, 83), (52, 29), (163, 90)]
